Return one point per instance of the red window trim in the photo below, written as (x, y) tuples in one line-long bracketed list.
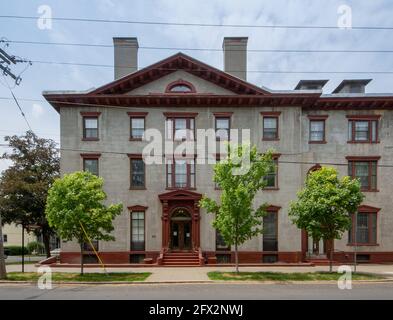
[(179, 82), (137, 115), (369, 119), (369, 160), (273, 208), (137, 156), (137, 208), (90, 114), (364, 117), (90, 155), (223, 115), (271, 114), (180, 114), (144, 225), (369, 210), (188, 172), (317, 118), (276, 187)]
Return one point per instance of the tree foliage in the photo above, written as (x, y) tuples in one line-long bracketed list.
[(24, 185), (76, 200), (235, 216), (324, 205)]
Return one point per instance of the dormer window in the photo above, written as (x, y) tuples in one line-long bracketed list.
[(180, 86)]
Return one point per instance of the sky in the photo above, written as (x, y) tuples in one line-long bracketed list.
[(39, 77)]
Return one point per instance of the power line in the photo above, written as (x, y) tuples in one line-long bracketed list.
[(199, 49), (279, 161), (249, 71), (191, 24)]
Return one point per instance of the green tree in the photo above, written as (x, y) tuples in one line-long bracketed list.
[(76, 200), (24, 185), (240, 177), (324, 205)]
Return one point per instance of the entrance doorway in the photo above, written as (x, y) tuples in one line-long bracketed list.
[(180, 230)]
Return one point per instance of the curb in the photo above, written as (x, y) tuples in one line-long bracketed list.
[(198, 282)]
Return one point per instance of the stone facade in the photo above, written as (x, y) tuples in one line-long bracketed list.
[(296, 157)]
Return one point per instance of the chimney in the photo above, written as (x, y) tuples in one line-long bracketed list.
[(352, 86), (235, 56), (126, 56)]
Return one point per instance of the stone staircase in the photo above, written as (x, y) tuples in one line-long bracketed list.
[(180, 259)]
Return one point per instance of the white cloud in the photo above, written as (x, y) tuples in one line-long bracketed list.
[(37, 110)]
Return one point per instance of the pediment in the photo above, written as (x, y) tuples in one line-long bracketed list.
[(180, 195), (174, 63)]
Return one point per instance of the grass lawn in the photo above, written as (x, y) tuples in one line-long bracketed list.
[(279, 276), (74, 277)]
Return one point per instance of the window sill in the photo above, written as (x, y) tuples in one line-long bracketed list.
[(90, 139), (270, 189), (363, 244), (317, 142), (135, 139), (170, 188), (364, 142), (266, 139), (137, 188), (367, 190)]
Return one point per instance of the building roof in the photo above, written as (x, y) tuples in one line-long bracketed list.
[(343, 83)]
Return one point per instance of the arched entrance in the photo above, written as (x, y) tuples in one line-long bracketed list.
[(180, 216), (181, 229)]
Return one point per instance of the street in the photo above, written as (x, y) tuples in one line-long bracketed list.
[(198, 291)]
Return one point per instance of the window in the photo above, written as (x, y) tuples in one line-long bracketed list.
[(272, 177), (180, 86), (180, 173), (87, 246), (270, 125), (180, 129), (223, 125), (137, 230), (363, 129), (366, 229), (137, 258), (317, 128), (137, 166), (270, 241), (90, 125), (91, 165), (364, 170), (5, 238), (218, 159), (137, 125), (137, 128), (90, 162)]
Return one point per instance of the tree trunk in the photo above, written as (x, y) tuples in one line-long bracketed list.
[(236, 259), (3, 272), (46, 241), (82, 259)]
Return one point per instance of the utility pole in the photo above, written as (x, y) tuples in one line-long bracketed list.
[(6, 61), (3, 272)]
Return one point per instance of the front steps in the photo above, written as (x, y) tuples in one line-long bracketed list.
[(180, 259)]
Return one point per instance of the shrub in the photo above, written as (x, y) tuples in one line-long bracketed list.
[(35, 246), (15, 250)]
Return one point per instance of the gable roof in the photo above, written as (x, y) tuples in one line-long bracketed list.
[(179, 61)]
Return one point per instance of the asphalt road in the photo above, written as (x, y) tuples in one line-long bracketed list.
[(198, 291)]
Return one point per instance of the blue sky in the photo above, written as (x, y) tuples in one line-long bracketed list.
[(45, 121)]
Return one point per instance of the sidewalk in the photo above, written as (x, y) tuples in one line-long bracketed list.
[(174, 274)]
